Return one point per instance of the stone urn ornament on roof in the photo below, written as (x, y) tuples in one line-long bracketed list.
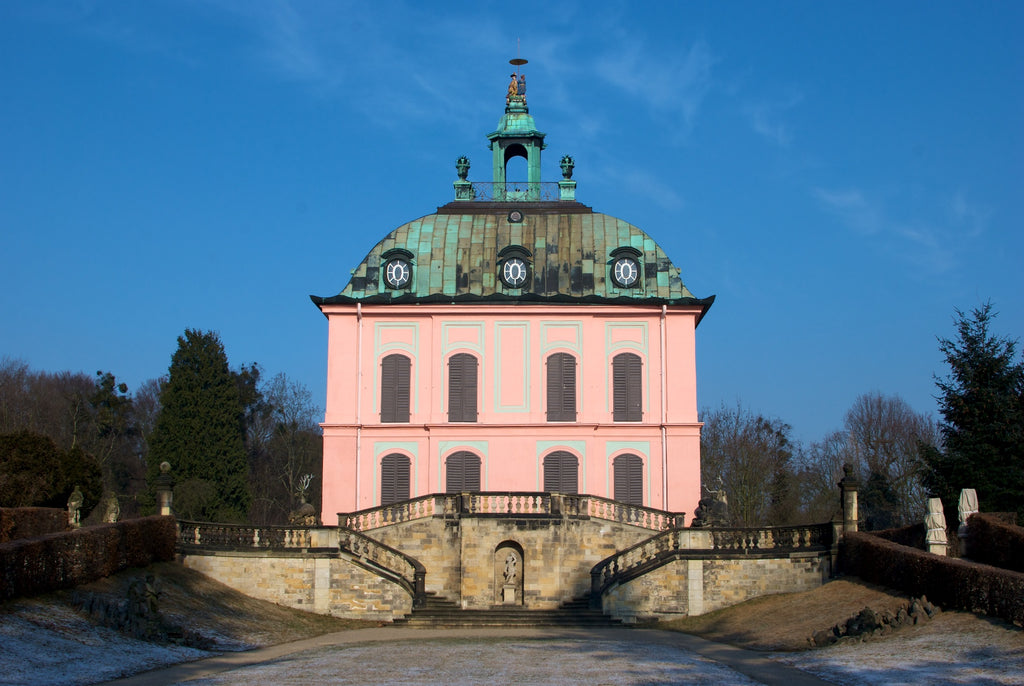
[(567, 164), (462, 167)]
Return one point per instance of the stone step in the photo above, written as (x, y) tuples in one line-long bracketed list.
[(440, 612)]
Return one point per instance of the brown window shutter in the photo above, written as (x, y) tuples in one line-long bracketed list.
[(629, 479), (394, 389), (462, 472), (462, 385), (561, 472), (394, 479), (561, 388), (627, 385)]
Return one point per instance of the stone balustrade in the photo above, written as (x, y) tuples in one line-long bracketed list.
[(405, 511), (238, 537), (636, 515), (511, 503)]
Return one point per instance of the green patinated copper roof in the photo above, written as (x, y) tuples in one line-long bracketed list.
[(455, 259)]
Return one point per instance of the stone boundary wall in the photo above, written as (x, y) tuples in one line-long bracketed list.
[(325, 583)]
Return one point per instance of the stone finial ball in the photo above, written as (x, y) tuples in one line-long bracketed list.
[(165, 467)]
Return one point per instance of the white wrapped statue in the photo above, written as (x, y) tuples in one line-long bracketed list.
[(935, 528)]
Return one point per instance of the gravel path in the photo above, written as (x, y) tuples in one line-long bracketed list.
[(497, 656)]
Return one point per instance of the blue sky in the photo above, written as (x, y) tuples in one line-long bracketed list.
[(840, 175)]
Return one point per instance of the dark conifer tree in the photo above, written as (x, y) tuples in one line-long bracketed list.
[(200, 431), (982, 405)]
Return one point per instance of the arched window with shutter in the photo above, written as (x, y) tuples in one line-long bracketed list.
[(627, 385), (394, 478), (629, 479), (462, 472), (561, 388), (462, 383), (394, 388), (561, 472)]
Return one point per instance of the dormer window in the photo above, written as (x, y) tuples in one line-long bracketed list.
[(514, 266), (626, 267), (397, 268)]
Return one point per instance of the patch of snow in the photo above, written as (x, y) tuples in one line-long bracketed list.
[(51, 644), (919, 658)]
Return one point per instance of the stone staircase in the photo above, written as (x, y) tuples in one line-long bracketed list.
[(441, 613)]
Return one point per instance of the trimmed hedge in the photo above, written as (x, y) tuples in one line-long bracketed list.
[(64, 560), (28, 522), (911, 536), (994, 542), (950, 583)]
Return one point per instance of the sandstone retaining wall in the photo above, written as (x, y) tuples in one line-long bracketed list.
[(315, 582)]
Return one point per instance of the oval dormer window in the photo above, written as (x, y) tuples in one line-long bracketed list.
[(626, 267), (514, 266), (397, 268)]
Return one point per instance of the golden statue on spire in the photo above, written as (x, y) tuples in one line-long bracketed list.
[(517, 86)]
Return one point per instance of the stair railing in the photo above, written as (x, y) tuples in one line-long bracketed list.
[(387, 562)]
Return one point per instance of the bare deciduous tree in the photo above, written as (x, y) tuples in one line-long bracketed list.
[(752, 456)]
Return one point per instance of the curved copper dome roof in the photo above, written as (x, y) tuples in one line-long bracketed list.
[(456, 254)]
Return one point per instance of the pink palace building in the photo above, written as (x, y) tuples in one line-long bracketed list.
[(514, 340)]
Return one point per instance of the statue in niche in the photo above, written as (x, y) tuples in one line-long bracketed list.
[(511, 568)]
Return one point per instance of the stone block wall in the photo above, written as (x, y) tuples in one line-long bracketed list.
[(435, 543), (558, 554), (731, 581), (315, 583), (694, 586), (661, 593)]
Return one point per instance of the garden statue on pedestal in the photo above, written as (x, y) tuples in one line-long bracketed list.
[(75, 501)]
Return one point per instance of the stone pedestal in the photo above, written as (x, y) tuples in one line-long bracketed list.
[(849, 486), (508, 596)]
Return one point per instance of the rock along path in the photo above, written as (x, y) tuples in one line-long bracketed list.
[(486, 656)]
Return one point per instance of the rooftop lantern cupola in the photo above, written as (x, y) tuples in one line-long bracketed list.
[(516, 136)]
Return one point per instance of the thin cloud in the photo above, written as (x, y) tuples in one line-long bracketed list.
[(930, 243), (673, 82), (637, 182), (767, 118), (972, 219), (852, 208)]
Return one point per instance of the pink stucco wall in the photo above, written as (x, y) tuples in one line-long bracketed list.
[(512, 434)]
